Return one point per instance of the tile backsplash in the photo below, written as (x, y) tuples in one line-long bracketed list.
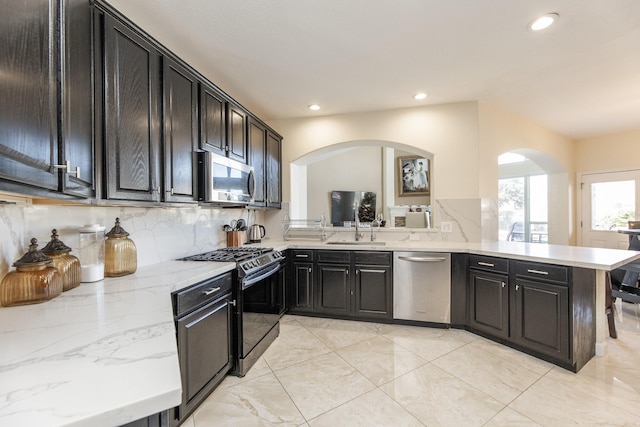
[(160, 234)]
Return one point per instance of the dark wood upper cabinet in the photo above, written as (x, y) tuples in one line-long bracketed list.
[(274, 170), (180, 133), (257, 147), (76, 132), (236, 133), (213, 132), (132, 129)]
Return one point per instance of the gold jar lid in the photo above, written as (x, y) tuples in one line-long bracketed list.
[(55, 246), (117, 230), (33, 257)]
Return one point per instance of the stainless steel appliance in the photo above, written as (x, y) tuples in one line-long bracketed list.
[(256, 233), (203, 315), (224, 181), (422, 286), (258, 292)]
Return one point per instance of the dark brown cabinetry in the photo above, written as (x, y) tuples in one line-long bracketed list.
[(236, 133), (300, 283), (257, 157), (489, 293), (180, 133), (341, 283), (273, 180), (131, 114), (45, 107), (542, 309), (213, 131)]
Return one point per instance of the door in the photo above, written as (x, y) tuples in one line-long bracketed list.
[(132, 130), (257, 145), (236, 133), (28, 108), (301, 295), (373, 291), (609, 200), (541, 317), (180, 112), (489, 302), (333, 289), (212, 121), (274, 173)]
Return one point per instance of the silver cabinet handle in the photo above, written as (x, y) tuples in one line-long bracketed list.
[(422, 259), (486, 264), (503, 284), (210, 291), (545, 273), (517, 287), (302, 256), (309, 269), (67, 169)]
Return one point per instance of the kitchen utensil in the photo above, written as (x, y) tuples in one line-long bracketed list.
[(256, 233), (241, 223), (233, 224), (227, 227)]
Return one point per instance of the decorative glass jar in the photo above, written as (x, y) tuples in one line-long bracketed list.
[(91, 252), (68, 265), (120, 253), (35, 279)]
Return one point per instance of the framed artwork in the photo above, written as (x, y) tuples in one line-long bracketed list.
[(414, 176)]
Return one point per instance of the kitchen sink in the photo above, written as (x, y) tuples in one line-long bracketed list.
[(358, 243)]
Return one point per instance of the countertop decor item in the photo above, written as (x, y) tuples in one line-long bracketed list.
[(120, 253), (35, 279), (91, 252), (68, 265)]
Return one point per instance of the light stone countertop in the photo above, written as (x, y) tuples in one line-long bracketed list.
[(105, 353), (101, 354)]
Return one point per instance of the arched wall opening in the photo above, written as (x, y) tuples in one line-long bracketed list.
[(361, 165)]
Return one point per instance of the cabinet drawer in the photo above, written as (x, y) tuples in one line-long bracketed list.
[(488, 263), (301, 255), (372, 258), (537, 271), (334, 256), (200, 293)]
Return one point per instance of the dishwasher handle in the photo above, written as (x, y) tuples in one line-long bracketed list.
[(422, 259)]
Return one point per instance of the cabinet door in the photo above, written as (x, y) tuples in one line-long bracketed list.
[(541, 317), (180, 113), (28, 64), (257, 145), (274, 173), (207, 331), (333, 289), (301, 298), (132, 133), (373, 293), (77, 137), (489, 303), (236, 133), (213, 132)]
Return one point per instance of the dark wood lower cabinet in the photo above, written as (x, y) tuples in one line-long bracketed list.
[(489, 305), (340, 283), (541, 317)]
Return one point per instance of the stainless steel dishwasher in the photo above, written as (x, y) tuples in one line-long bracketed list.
[(422, 286)]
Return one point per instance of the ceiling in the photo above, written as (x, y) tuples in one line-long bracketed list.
[(580, 77)]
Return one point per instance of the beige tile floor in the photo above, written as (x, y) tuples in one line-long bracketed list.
[(335, 373)]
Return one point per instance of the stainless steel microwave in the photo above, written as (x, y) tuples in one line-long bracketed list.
[(224, 181)]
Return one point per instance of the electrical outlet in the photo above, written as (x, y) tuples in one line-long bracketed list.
[(414, 236), (446, 227)]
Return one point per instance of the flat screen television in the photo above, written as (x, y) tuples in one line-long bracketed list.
[(342, 206)]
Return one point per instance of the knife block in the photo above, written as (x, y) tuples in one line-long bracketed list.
[(236, 238)]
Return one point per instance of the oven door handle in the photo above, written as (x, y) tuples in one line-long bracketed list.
[(253, 280)]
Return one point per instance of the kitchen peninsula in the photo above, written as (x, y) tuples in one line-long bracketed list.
[(105, 353)]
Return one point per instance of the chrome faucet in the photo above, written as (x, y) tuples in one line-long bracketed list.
[(377, 224), (356, 211)]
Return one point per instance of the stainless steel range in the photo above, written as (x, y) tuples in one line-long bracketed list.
[(259, 299)]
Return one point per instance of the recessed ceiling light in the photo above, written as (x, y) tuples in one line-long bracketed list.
[(420, 95), (542, 22), (314, 107)]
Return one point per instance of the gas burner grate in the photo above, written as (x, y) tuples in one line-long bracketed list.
[(228, 254)]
